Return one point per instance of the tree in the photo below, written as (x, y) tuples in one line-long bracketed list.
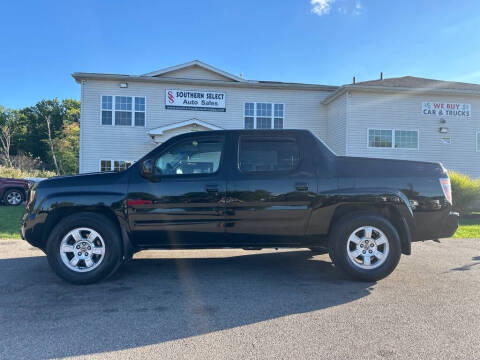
[(5, 142), (30, 133), (50, 142), (67, 145), (7, 122)]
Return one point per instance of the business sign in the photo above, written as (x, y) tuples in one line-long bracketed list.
[(446, 109), (194, 100)]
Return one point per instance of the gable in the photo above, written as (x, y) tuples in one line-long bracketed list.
[(194, 72)]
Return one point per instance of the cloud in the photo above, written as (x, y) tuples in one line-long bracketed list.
[(358, 8), (321, 7), (344, 7)]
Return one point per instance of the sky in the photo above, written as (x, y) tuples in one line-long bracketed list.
[(312, 41)]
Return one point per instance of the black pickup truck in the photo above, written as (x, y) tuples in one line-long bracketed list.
[(247, 189)]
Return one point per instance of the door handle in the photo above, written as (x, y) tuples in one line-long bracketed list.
[(301, 186), (211, 188)]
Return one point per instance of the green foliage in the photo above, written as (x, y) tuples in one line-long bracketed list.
[(30, 133), (67, 145), (14, 173), (465, 191)]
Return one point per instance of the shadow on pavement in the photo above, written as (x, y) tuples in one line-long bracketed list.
[(150, 301)]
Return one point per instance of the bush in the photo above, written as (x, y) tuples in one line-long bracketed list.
[(10, 172), (465, 192)]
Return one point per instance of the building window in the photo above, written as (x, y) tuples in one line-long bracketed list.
[(406, 139), (139, 111), (123, 110), (478, 141), (264, 116), (114, 165), (249, 116), (278, 116), (107, 110), (393, 139), (128, 111)]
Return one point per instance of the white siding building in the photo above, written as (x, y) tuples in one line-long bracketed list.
[(123, 116)]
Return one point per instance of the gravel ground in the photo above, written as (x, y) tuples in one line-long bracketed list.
[(231, 304)]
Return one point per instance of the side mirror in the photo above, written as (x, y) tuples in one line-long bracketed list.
[(147, 169)]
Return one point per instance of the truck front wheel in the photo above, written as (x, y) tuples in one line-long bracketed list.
[(84, 248), (366, 246)]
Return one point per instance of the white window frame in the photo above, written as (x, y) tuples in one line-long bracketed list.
[(393, 139), (112, 163), (477, 140), (132, 118), (255, 114)]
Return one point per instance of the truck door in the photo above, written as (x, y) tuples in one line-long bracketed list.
[(270, 190), (185, 204)]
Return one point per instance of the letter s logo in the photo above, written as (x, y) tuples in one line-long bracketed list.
[(170, 97)]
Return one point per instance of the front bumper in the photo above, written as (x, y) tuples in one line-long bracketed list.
[(450, 225)]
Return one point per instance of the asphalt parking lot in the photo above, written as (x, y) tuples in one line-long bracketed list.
[(231, 304)]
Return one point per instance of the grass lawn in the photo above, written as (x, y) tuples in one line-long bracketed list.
[(10, 221), (10, 224), (469, 228)]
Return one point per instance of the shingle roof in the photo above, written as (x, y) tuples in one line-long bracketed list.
[(420, 83)]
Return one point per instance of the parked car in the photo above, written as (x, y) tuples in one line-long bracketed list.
[(241, 189), (13, 191)]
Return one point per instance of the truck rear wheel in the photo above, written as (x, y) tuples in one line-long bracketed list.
[(84, 248), (366, 246)]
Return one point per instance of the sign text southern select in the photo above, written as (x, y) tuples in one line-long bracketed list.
[(194, 100)]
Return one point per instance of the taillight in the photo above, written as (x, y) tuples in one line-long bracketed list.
[(447, 189)]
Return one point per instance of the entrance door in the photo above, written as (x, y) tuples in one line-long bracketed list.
[(184, 204)]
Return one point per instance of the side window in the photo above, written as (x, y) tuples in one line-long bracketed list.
[(268, 155), (194, 156)]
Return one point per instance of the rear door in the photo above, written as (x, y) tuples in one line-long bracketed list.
[(270, 190)]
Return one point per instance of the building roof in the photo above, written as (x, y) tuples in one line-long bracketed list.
[(409, 83), (195, 63), (160, 130), (422, 83), (405, 83)]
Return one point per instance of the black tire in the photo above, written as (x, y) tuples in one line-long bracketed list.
[(113, 247), (9, 193), (338, 243)]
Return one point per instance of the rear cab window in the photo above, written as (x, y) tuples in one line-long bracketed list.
[(260, 155)]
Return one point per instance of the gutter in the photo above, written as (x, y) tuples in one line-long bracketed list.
[(78, 76)]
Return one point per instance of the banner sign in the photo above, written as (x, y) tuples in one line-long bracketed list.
[(194, 100), (446, 109)]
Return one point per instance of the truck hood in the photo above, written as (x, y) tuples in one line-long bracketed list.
[(374, 167), (84, 180)]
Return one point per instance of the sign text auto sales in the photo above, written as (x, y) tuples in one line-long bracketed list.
[(194, 100), (446, 109)]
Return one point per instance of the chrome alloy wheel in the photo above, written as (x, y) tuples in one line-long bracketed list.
[(82, 249), (367, 247), (14, 198)]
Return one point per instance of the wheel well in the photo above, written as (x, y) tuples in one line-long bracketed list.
[(22, 190), (387, 211), (59, 214)]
